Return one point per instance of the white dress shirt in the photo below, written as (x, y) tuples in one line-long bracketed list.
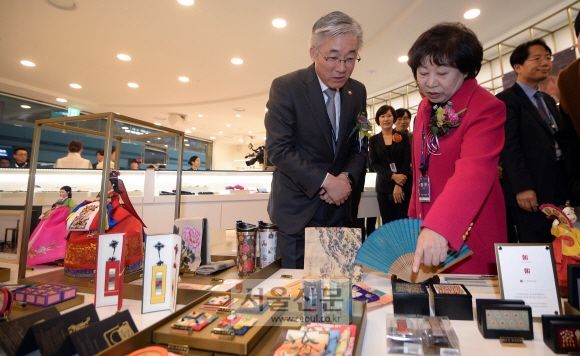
[(73, 160)]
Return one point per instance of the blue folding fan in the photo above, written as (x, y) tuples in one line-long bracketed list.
[(391, 248)]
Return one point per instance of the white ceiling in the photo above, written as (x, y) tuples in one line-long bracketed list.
[(167, 40)]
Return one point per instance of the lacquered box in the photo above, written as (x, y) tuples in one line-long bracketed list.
[(560, 333), (504, 318), (410, 298), (453, 301), (45, 294)]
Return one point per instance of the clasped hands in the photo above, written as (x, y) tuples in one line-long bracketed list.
[(336, 189)]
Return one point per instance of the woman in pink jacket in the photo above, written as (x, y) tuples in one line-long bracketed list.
[(458, 137)]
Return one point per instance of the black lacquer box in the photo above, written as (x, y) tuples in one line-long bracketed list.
[(453, 301), (410, 298), (504, 318), (561, 333)]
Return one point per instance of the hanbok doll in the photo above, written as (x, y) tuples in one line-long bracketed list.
[(81, 245), (47, 242)]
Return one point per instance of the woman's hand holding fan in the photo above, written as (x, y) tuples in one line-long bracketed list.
[(431, 249)]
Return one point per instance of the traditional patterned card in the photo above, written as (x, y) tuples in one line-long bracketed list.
[(109, 277), (161, 272), (331, 251), (194, 242)]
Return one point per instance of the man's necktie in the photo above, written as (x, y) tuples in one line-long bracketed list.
[(543, 114), (331, 110)]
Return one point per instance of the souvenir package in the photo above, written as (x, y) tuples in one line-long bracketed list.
[(194, 321), (403, 336), (374, 298), (45, 294), (438, 336), (561, 333), (504, 318), (339, 300), (247, 248), (452, 301), (410, 298)]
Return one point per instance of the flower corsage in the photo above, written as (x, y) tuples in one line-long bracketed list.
[(363, 126), (444, 120), (397, 138)]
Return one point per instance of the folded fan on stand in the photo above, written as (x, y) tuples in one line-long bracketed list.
[(391, 249)]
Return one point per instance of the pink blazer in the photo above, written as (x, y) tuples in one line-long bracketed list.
[(465, 186)]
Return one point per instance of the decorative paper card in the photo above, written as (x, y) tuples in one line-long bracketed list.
[(16, 337), (194, 242), (109, 277), (527, 272), (331, 251), (100, 336), (53, 338), (161, 272)]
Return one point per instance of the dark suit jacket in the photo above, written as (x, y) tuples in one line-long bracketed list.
[(381, 156), (529, 154), (299, 144)]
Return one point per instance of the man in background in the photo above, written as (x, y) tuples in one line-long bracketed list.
[(4, 162), (311, 114), (20, 156), (100, 155)]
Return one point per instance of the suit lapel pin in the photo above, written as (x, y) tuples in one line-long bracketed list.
[(349, 92)]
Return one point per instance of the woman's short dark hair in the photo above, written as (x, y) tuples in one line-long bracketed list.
[(67, 189), (522, 52), (383, 110), (75, 146), (448, 44), (192, 159), (401, 112), (100, 152)]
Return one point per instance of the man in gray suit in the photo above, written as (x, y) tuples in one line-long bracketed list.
[(311, 115)]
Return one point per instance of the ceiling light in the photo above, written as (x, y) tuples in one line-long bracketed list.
[(237, 61), (123, 57), (183, 79), (471, 14), (212, 137), (133, 85), (185, 140), (238, 115), (75, 86), (241, 140), (227, 125), (266, 109), (264, 139), (187, 144), (156, 123), (159, 138), (279, 23), (185, 2), (200, 115), (25, 106), (148, 141), (28, 63), (165, 145), (61, 100), (221, 132), (193, 128), (187, 131), (403, 59), (125, 128), (249, 132)]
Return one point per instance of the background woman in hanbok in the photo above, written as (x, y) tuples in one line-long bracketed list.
[(47, 242)]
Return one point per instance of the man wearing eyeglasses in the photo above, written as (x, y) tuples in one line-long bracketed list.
[(311, 115), (20, 156), (539, 147)]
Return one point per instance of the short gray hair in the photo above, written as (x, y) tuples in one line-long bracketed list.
[(335, 23)]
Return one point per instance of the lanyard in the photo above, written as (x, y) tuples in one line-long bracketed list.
[(424, 161)]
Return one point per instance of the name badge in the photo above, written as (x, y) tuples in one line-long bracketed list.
[(424, 189), (393, 168)]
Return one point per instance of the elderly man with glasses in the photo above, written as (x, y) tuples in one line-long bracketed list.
[(538, 154), (309, 124)]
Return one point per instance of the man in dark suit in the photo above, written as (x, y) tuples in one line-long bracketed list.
[(20, 156), (538, 145), (311, 115)]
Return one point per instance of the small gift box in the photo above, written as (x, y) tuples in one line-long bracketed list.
[(561, 333), (504, 318), (452, 301), (410, 298), (45, 294)]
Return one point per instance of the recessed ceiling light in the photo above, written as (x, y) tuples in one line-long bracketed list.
[(279, 23), (61, 100), (125, 128), (264, 139), (266, 109), (187, 131), (185, 2), (123, 57), (187, 144), (133, 85), (159, 138), (76, 86), (25, 106), (241, 140), (165, 145), (156, 123), (221, 132), (183, 79), (193, 128), (212, 137), (227, 125), (403, 59), (148, 141), (249, 132), (237, 61), (28, 63), (200, 115), (471, 14), (185, 140), (238, 115)]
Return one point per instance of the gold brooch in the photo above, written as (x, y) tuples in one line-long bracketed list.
[(349, 92)]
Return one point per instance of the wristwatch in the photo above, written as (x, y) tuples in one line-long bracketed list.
[(350, 178)]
